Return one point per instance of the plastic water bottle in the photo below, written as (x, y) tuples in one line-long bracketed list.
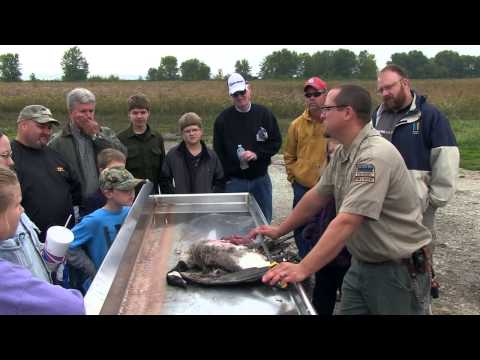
[(243, 163)]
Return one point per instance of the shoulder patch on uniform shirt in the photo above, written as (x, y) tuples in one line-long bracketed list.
[(364, 172)]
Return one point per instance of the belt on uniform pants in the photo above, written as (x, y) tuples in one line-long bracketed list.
[(410, 261)]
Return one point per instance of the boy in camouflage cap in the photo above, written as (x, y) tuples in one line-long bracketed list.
[(107, 158), (96, 232), (117, 178)]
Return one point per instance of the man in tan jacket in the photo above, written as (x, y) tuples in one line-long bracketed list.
[(305, 150)]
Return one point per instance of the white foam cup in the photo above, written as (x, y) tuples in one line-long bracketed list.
[(57, 241)]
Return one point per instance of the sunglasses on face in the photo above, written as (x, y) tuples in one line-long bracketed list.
[(314, 94), (239, 93)]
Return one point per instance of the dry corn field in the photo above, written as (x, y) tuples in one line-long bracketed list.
[(458, 223)]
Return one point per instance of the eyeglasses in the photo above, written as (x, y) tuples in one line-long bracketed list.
[(6, 155), (325, 109), (239, 93), (388, 87), (314, 94)]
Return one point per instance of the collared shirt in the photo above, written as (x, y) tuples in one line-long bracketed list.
[(369, 178), (389, 121), (24, 249), (244, 111), (146, 154)]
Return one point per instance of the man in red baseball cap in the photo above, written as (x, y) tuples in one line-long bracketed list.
[(305, 150), (305, 157), (317, 84)]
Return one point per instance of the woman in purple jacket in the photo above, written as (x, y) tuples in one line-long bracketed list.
[(20, 292)]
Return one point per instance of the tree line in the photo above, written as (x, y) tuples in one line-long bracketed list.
[(283, 64)]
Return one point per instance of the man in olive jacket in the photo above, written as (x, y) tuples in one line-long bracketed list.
[(83, 138), (146, 150)]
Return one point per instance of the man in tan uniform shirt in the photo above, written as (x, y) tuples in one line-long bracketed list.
[(378, 217)]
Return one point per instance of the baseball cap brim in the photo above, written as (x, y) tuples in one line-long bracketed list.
[(237, 87), (315, 86), (46, 120), (129, 184), (41, 120)]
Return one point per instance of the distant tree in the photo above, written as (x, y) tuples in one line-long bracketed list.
[(219, 75), (366, 66), (194, 69), (452, 62), (74, 65), (33, 77), (152, 74), (168, 69), (10, 67), (102, 78), (243, 68), (140, 78), (319, 64), (280, 64), (471, 66), (416, 64), (402, 60), (344, 63), (303, 60), (95, 78)]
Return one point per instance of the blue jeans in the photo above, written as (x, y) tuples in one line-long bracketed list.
[(260, 188), (298, 192)]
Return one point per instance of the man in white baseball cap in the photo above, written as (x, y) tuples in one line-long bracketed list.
[(249, 133), (236, 82)]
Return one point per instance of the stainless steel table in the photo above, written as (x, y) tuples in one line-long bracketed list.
[(157, 231)]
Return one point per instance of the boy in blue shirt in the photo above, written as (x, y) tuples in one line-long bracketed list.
[(96, 231)]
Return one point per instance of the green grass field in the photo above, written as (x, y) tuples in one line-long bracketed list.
[(458, 99)]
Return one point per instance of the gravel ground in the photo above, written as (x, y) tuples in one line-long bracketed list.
[(456, 259)]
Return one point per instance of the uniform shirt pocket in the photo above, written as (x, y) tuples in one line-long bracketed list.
[(134, 160)]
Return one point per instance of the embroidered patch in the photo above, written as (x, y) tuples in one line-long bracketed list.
[(416, 128), (60, 169), (364, 173), (262, 134)]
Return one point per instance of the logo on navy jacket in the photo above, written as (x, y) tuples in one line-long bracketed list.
[(416, 128)]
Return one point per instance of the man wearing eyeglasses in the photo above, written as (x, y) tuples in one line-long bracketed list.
[(24, 247), (378, 217), (251, 127), (305, 148), (50, 186), (191, 167), (422, 134)]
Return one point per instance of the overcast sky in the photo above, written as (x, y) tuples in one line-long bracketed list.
[(132, 61)]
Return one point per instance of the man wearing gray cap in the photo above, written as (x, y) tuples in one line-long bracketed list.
[(50, 187)]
